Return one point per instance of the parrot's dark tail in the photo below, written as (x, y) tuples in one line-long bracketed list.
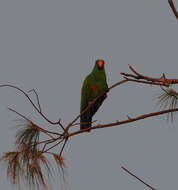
[(85, 123)]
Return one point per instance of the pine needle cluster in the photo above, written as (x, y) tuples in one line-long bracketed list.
[(28, 164), (168, 100)]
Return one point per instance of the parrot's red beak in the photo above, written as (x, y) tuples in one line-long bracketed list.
[(100, 63)]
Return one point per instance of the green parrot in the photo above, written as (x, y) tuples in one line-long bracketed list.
[(93, 85)]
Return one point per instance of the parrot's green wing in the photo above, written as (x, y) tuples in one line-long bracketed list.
[(86, 118), (90, 90)]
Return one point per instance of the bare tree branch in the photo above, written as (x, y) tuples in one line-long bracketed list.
[(173, 8), (130, 173), (130, 120), (144, 82), (63, 146), (157, 81), (37, 97), (32, 103)]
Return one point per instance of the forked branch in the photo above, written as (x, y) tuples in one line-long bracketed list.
[(140, 78), (33, 104)]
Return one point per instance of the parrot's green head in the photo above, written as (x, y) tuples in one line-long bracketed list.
[(99, 64), (99, 70)]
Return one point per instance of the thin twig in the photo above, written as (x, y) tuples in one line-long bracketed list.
[(149, 186), (46, 141), (53, 146), (44, 147), (37, 97), (63, 146), (32, 103), (146, 82), (117, 84), (41, 129), (173, 8), (60, 125), (134, 71)]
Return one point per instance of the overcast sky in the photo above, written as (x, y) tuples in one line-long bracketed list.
[(52, 45)]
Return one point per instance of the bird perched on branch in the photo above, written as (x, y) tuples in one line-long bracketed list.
[(93, 85)]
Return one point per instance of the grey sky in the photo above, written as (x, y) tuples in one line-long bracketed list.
[(52, 45)]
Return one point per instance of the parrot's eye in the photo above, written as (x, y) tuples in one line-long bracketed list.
[(100, 63)]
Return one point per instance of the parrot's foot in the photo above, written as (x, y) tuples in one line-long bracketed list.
[(90, 103), (88, 130), (107, 90)]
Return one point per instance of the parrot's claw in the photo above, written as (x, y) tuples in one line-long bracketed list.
[(90, 102)]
